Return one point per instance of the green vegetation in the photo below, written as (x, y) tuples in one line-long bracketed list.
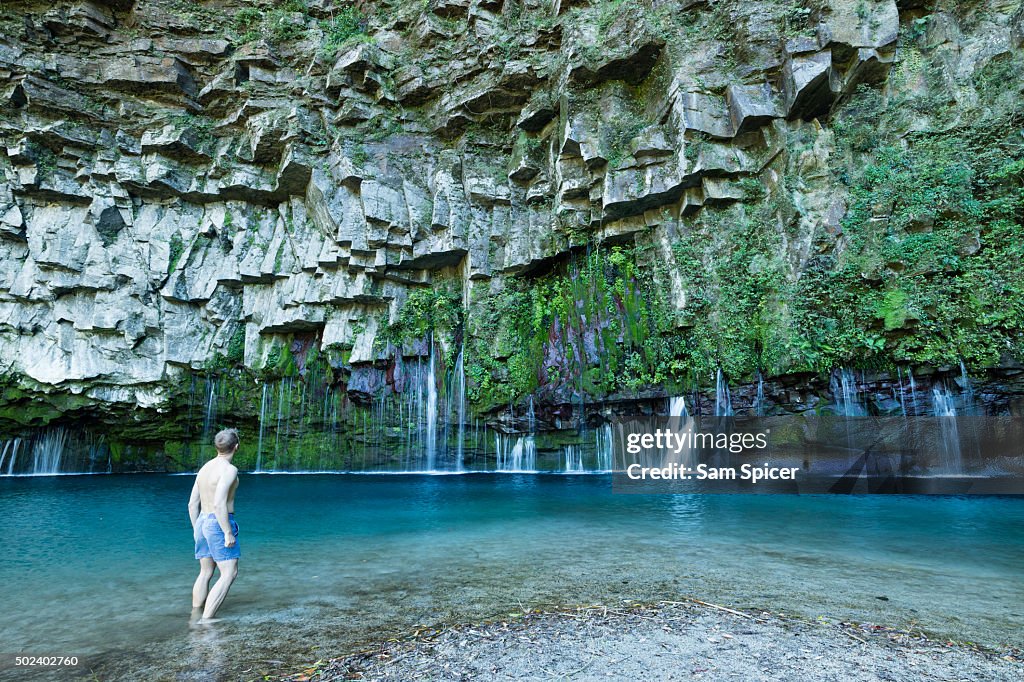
[(358, 154), (193, 12), (233, 356), (201, 127), (607, 11), (426, 311), (280, 362), (796, 20), (275, 24), (46, 161), (345, 27), (236, 346), (598, 326), (932, 270), (177, 248), (928, 268), (617, 135)]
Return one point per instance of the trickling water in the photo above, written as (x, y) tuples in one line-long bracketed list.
[(457, 393), (677, 406), (759, 401), (913, 389), (211, 405), (531, 417), (944, 407), (902, 398), (263, 412), (191, 400), (603, 447), (844, 391), (11, 448), (432, 412), (573, 458), (53, 451), (723, 401), (280, 417), (968, 389), (520, 456), (943, 402), (47, 452)]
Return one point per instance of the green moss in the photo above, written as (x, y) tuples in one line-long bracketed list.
[(599, 325), (177, 248), (426, 311), (280, 362), (236, 346), (930, 271)]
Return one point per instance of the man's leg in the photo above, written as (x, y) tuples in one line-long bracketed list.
[(228, 571), (202, 586)]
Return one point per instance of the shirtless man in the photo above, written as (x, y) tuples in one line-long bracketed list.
[(212, 510)]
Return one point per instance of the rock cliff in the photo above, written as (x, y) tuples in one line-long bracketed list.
[(567, 202)]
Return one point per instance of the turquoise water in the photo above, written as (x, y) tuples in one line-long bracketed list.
[(101, 566)]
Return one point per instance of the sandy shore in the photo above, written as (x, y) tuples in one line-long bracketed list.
[(667, 641)]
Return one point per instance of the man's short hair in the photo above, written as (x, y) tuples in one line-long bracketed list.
[(226, 440)]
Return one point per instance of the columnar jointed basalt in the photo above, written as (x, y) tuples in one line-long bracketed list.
[(190, 186)]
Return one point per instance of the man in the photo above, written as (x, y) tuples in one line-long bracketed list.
[(212, 510)]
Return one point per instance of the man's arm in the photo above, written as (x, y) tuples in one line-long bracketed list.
[(220, 503), (193, 503)]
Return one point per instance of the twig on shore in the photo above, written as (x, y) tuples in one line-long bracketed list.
[(850, 634), (713, 606)]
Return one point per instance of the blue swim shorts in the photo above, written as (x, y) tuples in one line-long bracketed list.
[(210, 539)]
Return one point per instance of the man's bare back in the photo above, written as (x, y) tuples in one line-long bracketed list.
[(209, 477), (211, 509)]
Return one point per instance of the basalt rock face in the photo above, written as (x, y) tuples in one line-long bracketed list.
[(190, 186)]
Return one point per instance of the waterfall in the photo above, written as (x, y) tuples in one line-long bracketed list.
[(460, 373), (531, 417), (47, 452), (677, 406), (723, 401), (522, 456), (603, 447), (211, 405), (573, 456), (263, 412), (943, 405), (280, 416), (432, 411), (455, 408), (55, 450), (968, 390), (11, 448), (902, 399), (844, 391), (759, 401), (501, 447), (944, 408)]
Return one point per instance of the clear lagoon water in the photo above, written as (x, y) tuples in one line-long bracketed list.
[(101, 566)]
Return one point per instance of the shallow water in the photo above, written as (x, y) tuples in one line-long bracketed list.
[(101, 566)]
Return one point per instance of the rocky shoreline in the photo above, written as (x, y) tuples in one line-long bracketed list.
[(666, 640)]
